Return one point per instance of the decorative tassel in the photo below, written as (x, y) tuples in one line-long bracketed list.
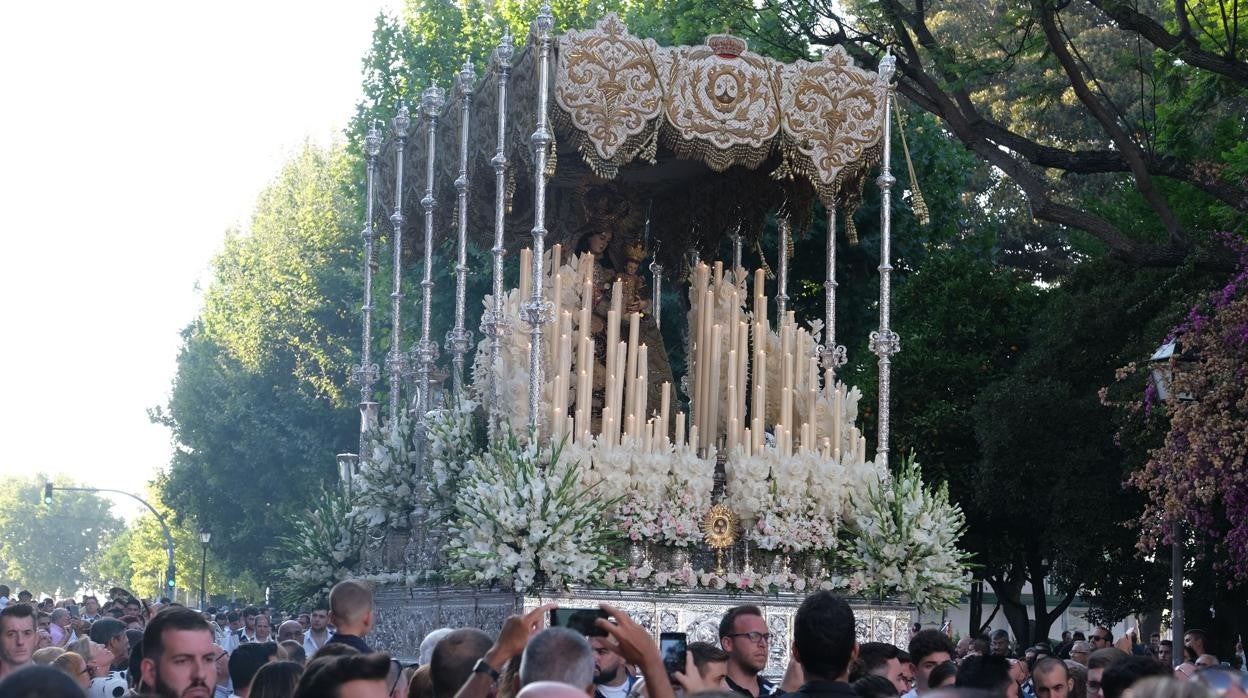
[(916, 195)]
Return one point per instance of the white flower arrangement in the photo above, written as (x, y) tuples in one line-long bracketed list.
[(904, 541), (524, 518), (387, 481), (323, 550), (457, 438)]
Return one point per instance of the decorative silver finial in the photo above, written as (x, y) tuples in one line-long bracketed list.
[(432, 100), (372, 141), (888, 67), (506, 49), (402, 121), (544, 23), (467, 76)]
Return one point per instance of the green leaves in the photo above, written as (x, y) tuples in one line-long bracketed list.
[(47, 547)]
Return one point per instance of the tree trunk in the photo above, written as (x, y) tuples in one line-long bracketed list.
[(1009, 591)]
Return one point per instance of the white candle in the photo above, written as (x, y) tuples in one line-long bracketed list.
[(680, 428), (711, 436), (640, 391), (665, 397), (630, 400), (526, 272)]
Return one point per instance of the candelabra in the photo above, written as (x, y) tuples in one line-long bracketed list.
[(367, 372), (885, 342), (737, 271), (656, 291), (782, 283), (493, 323), (458, 340), (396, 362), (834, 355), (425, 352), (537, 309)]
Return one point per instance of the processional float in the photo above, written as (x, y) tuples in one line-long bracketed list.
[(622, 152)]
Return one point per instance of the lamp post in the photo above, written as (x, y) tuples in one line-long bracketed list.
[(204, 537), (1162, 366)]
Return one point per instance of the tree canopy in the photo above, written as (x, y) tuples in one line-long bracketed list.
[(47, 547), (259, 405)]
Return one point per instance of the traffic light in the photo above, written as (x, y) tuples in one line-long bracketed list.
[(47, 493), (170, 580)]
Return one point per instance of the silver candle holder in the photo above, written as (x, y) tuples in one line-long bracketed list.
[(884, 342), (537, 310), (397, 364), (425, 352), (366, 373), (834, 355), (494, 321), (459, 339), (782, 284)]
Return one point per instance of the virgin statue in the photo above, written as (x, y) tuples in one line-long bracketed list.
[(601, 242)]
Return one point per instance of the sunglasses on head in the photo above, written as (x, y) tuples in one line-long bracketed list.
[(1219, 679)]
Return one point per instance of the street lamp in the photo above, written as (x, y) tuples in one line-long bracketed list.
[(1162, 367), (204, 537)]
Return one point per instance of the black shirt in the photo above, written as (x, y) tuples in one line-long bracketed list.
[(820, 688), (350, 641), (765, 687)]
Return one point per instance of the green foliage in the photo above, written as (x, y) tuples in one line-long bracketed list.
[(277, 295), (46, 547), (258, 407)]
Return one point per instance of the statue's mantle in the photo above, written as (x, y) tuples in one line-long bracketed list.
[(406, 614)]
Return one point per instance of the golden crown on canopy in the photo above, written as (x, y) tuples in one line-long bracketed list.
[(635, 251), (727, 44)]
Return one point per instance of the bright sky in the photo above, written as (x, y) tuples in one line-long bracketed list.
[(132, 135)]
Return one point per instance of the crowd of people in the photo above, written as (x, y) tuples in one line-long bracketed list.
[(125, 647)]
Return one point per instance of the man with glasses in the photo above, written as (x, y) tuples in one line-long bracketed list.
[(1101, 638), (744, 635)]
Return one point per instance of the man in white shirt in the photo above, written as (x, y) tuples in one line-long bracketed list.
[(318, 630)]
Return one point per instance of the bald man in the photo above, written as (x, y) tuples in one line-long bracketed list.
[(290, 630)]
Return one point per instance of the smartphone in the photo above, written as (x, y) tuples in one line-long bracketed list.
[(579, 619), (672, 647)]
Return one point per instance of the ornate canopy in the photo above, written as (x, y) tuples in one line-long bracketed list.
[(702, 141)]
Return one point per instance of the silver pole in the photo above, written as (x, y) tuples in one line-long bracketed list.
[(426, 351), (493, 324), (736, 254), (396, 361), (885, 342), (1176, 593), (656, 291), (536, 309), (366, 372), (458, 340), (834, 355), (782, 289)]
